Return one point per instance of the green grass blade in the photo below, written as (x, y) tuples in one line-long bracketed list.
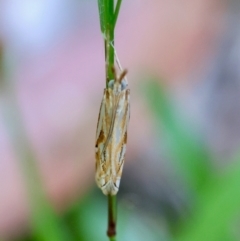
[(216, 209), (190, 156), (117, 9), (45, 223), (102, 17)]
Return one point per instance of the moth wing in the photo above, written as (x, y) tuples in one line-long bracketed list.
[(104, 120), (120, 129), (124, 115)]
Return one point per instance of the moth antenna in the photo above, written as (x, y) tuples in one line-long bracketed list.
[(123, 72), (122, 75), (117, 59)]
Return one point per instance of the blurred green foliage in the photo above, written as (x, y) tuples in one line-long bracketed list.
[(215, 208), (217, 195), (189, 154), (214, 211)]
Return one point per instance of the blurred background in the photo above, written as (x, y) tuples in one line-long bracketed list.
[(181, 179)]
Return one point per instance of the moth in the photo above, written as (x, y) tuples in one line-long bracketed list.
[(111, 136)]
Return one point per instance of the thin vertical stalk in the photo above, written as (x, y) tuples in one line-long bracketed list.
[(112, 217), (108, 18), (109, 58), (109, 41)]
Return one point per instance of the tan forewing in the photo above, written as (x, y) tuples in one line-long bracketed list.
[(111, 139), (116, 147), (103, 125)]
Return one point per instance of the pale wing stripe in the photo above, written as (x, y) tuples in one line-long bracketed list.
[(111, 125)]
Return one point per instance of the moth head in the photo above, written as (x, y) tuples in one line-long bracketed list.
[(118, 84)]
